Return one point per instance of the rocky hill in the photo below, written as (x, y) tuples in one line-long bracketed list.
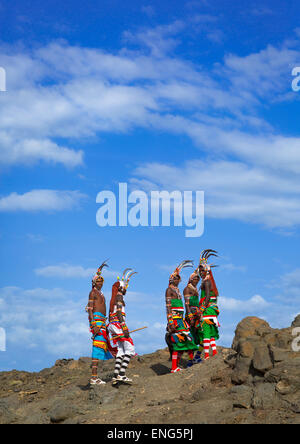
[(257, 381)]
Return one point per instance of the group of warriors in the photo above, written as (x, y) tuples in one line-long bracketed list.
[(198, 329), (191, 332)]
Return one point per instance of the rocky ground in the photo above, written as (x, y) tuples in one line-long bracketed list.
[(257, 381)]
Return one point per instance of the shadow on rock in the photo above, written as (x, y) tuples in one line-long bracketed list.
[(160, 369)]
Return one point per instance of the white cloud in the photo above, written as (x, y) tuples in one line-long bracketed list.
[(276, 310), (159, 326), (288, 286), (232, 189), (29, 151), (263, 149), (292, 279), (232, 311), (55, 86), (232, 267), (265, 74), (35, 237), (41, 200), (41, 318), (253, 305), (67, 271), (160, 40), (55, 322)]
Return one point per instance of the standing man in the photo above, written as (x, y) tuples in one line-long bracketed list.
[(193, 315), (96, 309), (177, 328), (208, 304), (119, 329)]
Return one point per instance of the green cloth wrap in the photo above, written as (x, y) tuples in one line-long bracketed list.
[(210, 331)]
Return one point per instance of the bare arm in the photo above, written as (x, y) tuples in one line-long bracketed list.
[(187, 295), (169, 310), (207, 288), (168, 302), (90, 306)]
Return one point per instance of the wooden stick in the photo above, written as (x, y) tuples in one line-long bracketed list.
[(132, 331)]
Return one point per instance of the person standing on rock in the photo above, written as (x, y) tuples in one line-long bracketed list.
[(208, 304), (179, 335), (96, 309), (193, 315), (118, 328)]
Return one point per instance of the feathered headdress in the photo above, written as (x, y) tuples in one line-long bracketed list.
[(98, 276), (206, 267), (176, 272), (204, 256), (127, 274)]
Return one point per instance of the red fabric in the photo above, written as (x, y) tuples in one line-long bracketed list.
[(213, 346), (214, 287), (114, 292), (123, 340), (111, 349), (174, 360), (206, 344), (117, 324)]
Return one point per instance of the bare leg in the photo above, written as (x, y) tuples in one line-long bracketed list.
[(169, 344), (94, 379), (94, 368)]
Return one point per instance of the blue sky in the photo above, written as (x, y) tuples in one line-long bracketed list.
[(177, 95)]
